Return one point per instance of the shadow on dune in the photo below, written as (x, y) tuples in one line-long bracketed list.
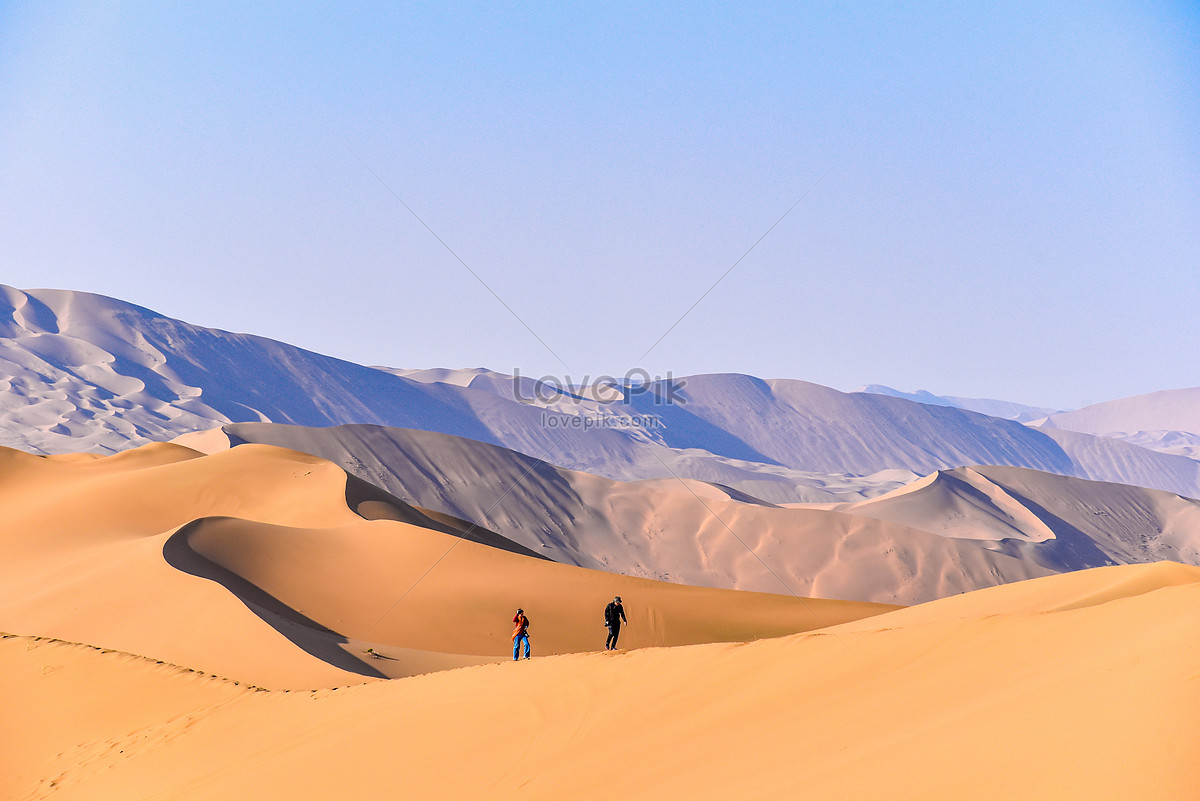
[(1070, 550), (373, 503), (305, 633)]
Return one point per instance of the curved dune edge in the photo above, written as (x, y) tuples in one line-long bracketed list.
[(207, 441), (1018, 701), (82, 559)]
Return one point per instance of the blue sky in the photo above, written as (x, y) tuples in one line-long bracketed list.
[(994, 200)]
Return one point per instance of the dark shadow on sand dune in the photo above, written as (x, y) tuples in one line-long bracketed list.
[(359, 491), (305, 633), (1071, 549)]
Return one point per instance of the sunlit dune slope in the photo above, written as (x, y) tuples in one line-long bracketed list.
[(82, 552), (1061, 593), (1093, 699), (252, 563)]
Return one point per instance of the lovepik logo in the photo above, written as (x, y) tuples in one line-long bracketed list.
[(663, 390)]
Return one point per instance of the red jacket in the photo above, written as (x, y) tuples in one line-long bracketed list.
[(522, 626)]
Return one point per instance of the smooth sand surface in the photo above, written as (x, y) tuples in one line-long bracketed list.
[(209, 441), (250, 563), (1084, 686)]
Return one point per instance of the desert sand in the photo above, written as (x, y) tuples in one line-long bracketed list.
[(257, 623), (1067, 687)]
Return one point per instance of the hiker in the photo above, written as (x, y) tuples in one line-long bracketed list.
[(614, 614), (520, 634)]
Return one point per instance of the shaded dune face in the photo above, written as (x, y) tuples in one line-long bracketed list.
[(372, 503), (1058, 522), (304, 632)]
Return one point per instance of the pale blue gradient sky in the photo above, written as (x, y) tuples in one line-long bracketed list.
[(1010, 204)]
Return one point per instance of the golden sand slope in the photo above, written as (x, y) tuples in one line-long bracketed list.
[(81, 552), (250, 564), (1003, 699)]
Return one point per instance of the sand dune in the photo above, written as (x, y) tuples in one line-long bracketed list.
[(1058, 522), (1167, 421), (83, 553), (1172, 409), (645, 529), (87, 372), (1079, 686), (1174, 443), (355, 579), (1066, 592), (1118, 461), (799, 432), (174, 605), (257, 563), (951, 532)]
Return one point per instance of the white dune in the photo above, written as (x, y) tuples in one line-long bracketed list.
[(85, 372), (1166, 421)]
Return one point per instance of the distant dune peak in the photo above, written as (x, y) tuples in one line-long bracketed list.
[(1167, 421), (995, 408)]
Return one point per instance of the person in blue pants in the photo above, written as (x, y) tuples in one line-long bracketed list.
[(520, 634)]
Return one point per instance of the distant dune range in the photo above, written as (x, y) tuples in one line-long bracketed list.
[(1073, 686), (996, 408), (85, 372), (250, 563), (1166, 421)]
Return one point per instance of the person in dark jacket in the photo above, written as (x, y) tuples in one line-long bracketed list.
[(614, 615)]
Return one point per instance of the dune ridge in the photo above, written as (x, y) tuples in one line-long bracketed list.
[(1008, 410), (1174, 409)]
